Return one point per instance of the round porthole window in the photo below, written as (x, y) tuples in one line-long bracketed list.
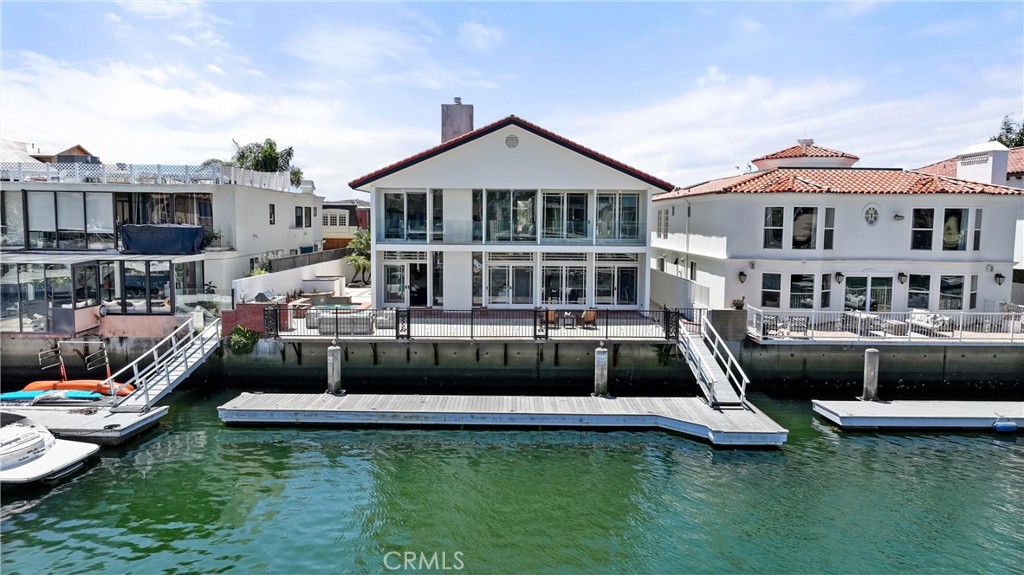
[(871, 214), (512, 140)]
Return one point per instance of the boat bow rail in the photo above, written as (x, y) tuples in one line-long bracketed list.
[(158, 371), (718, 374)]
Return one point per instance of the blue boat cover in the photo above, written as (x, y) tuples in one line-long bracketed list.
[(161, 239)]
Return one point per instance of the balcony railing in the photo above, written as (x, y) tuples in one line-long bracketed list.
[(141, 174), (325, 323), (916, 327)]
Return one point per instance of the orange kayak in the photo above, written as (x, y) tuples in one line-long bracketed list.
[(96, 385)]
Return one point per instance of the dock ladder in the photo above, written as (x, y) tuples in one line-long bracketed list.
[(158, 371), (718, 373)]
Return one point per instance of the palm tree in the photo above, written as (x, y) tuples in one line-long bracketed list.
[(265, 157), (360, 263), (360, 256)]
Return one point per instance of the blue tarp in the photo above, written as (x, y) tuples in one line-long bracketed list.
[(161, 239)]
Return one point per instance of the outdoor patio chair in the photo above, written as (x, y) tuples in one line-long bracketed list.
[(588, 317)]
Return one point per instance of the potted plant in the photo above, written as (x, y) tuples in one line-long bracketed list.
[(739, 303)]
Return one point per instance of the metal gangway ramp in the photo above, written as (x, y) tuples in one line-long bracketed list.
[(158, 371), (718, 373)]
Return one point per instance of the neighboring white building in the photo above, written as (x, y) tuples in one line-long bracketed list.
[(809, 231), (991, 163), (508, 216), (341, 220), (62, 237)]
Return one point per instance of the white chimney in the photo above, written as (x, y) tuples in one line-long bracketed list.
[(984, 163), (307, 187), (456, 120)]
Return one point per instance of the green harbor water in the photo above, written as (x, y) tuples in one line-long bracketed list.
[(196, 497)]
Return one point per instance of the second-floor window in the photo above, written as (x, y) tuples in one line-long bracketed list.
[(308, 217), (565, 215), (954, 229), (830, 228), (921, 229), (773, 228), (618, 215), (298, 216), (977, 229), (805, 228)]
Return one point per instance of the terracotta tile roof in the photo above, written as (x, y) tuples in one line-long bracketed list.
[(806, 151), (493, 127), (1014, 165), (839, 181)]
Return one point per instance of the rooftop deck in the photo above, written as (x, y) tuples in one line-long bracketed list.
[(142, 174)]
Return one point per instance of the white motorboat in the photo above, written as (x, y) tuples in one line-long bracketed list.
[(29, 452)]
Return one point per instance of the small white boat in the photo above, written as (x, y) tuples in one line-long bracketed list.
[(29, 452)]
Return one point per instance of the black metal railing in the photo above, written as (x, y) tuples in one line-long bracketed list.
[(537, 324)]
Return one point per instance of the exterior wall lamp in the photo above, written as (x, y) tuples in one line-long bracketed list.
[(1000, 278), (898, 217), (742, 277), (902, 277), (839, 277)]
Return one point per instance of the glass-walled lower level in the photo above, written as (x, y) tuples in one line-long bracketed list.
[(510, 279), (44, 297)]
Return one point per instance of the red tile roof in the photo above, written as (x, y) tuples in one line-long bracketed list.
[(839, 181), (806, 151), (504, 122), (1014, 165)]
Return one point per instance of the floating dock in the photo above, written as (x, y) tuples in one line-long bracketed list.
[(742, 427), (977, 415), (91, 424)]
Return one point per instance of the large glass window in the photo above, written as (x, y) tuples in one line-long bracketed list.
[(136, 287), (33, 306), (70, 220), (801, 291), (87, 288), (919, 291), (566, 215), (771, 290), (826, 290), (881, 294), (99, 220), (805, 228), (437, 217), (565, 284), (416, 215), (111, 287), (42, 220), (510, 284), (954, 229), (618, 216), (922, 229), (951, 292), (157, 209), (856, 293), (499, 215), (13, 223), (773, 228)]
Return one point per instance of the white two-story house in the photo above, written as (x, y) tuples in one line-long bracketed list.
[(807, 230), (509, 215)]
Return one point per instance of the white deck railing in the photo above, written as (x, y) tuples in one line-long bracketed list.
[(917, 326), (692, 355), (142, 174)]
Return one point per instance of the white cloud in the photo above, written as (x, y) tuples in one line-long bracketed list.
[(183, 40), (703, 132), (480, 38), (111, 17), (161, 9), (712, 76), (947, 29), (255, 73), (215, 69), (748, 25)]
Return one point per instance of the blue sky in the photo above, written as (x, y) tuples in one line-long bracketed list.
[(685, 91)]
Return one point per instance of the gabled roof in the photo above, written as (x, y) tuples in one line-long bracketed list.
[(806, 151), (503, 123), (1014, 165), (839, 181)]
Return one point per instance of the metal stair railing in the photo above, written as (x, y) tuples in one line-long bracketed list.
[(735, 374), (688, 344), (158, 370)]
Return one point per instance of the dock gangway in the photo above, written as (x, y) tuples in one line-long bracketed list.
[(158, 371), (718, 374)]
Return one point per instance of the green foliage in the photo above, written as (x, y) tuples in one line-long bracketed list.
[(242, 340), (360, 263), (256, 272), (360, 243), (1011, 133)]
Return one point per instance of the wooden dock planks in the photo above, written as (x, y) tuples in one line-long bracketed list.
[(905, 414), (689, 415)]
